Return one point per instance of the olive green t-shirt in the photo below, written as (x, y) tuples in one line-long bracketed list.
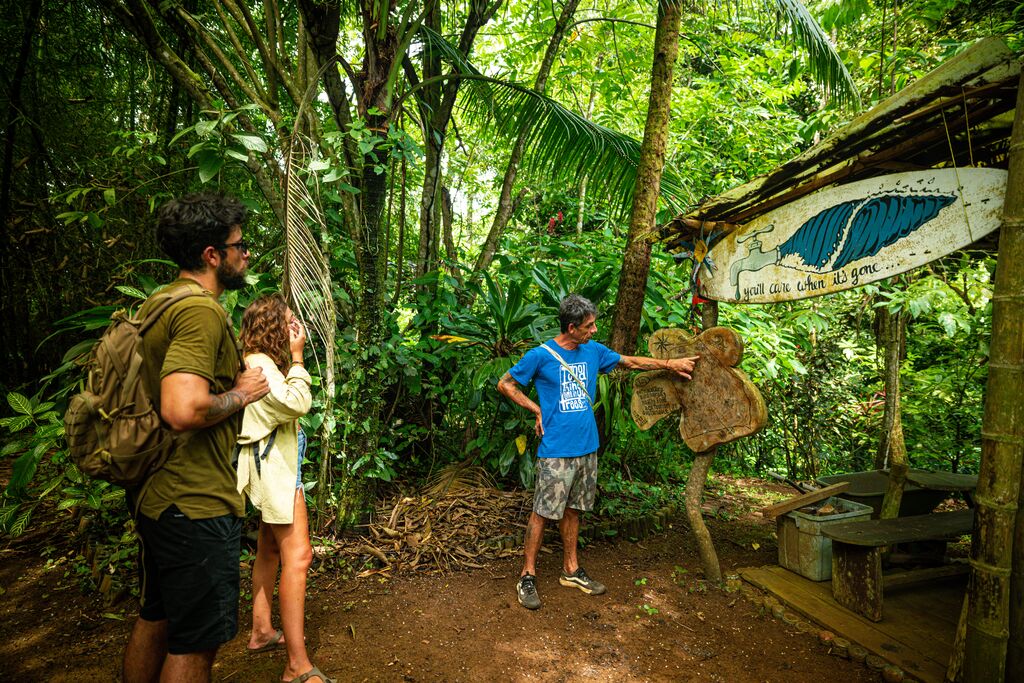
[(193, 336)]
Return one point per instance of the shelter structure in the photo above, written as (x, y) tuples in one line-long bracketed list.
[(964, 116)]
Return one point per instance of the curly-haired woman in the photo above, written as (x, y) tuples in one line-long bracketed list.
[(270, 451)]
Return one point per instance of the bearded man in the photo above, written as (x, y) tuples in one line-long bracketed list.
[(189, 512)]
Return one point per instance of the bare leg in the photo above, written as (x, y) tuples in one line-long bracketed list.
[(145, 652), (264, 574), (191, 668), (296, 556), (534, 537), (569, 527)]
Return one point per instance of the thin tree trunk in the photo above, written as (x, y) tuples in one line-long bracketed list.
[(400, 259), (446, 231), (698, 479), (892, 450), (506, 204), (995, 623), (636, 261), (583, 199)]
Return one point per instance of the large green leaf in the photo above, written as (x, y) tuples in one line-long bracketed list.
[(19, 403), (560, 144)]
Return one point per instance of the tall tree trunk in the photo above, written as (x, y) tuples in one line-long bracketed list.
[(12, 358), (440, 101), (995, 622), (698, 479), (892, 449), (636, 262), (506, 204), (433, 143)]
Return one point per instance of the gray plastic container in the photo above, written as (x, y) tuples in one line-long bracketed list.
[(802, 548)]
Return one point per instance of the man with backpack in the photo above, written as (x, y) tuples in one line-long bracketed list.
[(564, 371), (189, 512)]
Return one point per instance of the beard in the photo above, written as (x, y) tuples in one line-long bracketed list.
[(230, 278)]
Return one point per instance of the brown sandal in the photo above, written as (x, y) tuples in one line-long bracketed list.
[(274, 642)]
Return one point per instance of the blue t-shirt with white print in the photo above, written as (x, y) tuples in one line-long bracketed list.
[(570, 429)]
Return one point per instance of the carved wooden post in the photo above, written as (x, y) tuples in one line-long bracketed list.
[(698, 479)]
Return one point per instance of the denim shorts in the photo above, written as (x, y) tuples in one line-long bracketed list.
[(302, 457), (188, 571)]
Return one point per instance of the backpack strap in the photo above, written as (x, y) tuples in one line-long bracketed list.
[(167, 300), (571, 373), (149, 319)]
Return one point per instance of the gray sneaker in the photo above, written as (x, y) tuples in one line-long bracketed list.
[(526, 591), (579, 579)]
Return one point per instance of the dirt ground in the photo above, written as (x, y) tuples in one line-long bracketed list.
[(658, 622)]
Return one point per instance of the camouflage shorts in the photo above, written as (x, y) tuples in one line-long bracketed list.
[(565, 482)]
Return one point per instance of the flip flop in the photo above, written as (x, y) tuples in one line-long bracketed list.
[(312, 673), (275, 641)]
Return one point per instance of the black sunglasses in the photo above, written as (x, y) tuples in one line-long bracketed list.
[(241, 245)]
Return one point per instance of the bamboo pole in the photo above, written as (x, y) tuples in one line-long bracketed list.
[(1002, 449), (1010, 322)]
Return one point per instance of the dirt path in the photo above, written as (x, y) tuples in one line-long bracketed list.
[(657, 622)]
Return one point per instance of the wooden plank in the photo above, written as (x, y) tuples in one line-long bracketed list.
[(773, 511), (880, 532), (857, 579), (910, 643), (915, 576)]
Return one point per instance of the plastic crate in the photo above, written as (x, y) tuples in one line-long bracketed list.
[(802, 548)]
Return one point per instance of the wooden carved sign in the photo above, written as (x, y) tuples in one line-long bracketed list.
[(720, 404)]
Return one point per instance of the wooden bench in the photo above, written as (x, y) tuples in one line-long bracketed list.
[(857, 581)]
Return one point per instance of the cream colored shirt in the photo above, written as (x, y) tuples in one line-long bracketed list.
[(272, 490)]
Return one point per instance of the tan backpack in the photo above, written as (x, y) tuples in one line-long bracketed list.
[(112, 428)]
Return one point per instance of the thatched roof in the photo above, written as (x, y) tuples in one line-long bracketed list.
[(960, 114)]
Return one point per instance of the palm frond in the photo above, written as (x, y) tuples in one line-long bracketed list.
[(307, 282), (826, 65), (307, 279), (561, 144)]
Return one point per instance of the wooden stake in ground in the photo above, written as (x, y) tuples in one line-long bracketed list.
[(892, 451)]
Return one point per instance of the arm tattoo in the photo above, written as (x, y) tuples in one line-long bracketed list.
[(224, 404)]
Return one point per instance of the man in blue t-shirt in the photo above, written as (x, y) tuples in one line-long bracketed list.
[(564, 371)]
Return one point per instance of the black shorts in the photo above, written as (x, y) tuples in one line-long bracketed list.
[(188, 572)]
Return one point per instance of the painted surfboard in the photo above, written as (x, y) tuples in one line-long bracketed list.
[(842, 237)]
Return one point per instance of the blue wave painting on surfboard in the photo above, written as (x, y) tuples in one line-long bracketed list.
[(848, 235), (877, 223)]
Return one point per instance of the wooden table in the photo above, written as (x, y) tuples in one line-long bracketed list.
[(922, 491), (857, 581)]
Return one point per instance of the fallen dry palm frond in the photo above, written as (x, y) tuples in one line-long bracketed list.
[(457, 477), (456, 529)]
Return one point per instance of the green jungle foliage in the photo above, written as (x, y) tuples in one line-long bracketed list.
[(100, 134)]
